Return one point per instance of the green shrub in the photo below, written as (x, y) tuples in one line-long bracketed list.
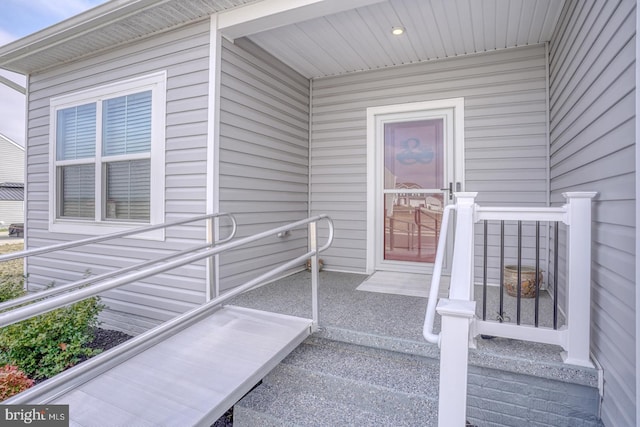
[(11, 286), (13, 381), (46, 345)]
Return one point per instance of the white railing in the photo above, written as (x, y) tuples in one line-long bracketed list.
[(459, 322), (434, 290)]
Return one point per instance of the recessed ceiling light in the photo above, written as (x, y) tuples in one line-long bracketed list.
[(397, 31)]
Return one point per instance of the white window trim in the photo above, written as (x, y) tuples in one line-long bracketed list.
[(157, 83)]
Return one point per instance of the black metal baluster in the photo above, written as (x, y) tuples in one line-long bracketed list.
[(537, 276), (519, 282), (484, 273), (501, 314), (555, 276)]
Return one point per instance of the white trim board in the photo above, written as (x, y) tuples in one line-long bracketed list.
[(637, 302)]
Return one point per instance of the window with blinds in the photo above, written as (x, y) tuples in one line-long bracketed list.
[(103, 159), (75, 153), (126, 148)]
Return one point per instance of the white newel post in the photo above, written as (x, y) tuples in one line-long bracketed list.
[(462, 269), (457, 313), (454, 353), (578, 278)]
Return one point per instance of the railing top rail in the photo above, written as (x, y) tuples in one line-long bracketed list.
[(52, 303), (125, 233), (521, 213), (427, 329)]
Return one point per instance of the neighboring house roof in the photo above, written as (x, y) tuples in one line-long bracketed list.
[(11, 191), (315, 37)]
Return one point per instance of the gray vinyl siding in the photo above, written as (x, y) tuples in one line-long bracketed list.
[(505, 134), (592, 57), (184, 54), (264, 156)]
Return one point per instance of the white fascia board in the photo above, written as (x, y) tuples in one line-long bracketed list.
[(13, 85), (77, 25), (270, 14)]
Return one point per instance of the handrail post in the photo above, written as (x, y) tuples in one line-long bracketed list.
[(313, 247), (578, 278), (212, 283), (454, 354), (462, 269), (457, 313)]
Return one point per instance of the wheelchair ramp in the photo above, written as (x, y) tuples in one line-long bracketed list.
[(191, 378)]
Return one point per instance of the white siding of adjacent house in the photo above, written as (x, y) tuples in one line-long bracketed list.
[(505, 134), (264, 156), (184, 54), (11, 161), (11, 170), (592, 58), (11, 212)]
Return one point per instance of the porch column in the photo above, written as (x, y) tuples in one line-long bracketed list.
[(454, 352), (578, 278)]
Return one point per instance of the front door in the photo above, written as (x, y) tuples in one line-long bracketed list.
[(414, 178)]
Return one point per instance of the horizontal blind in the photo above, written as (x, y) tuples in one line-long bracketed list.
[(128, 190), (127, 124), (78, 191), (76, 132)]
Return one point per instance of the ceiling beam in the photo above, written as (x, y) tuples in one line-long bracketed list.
[(270, 14)]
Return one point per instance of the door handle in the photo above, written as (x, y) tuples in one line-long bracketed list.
[(450, 190)]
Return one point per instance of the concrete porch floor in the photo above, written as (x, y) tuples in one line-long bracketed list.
[(394, 322)]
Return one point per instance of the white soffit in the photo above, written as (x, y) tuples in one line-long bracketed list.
[(361, 39), (103, 27)]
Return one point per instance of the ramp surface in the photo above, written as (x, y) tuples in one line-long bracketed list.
[(191, 378)]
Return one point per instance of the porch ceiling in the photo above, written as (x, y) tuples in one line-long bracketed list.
[(360, 39), (320, 38)]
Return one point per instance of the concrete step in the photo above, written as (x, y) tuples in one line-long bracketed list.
[(331, 383)]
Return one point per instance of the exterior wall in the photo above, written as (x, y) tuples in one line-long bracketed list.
[(12, 170), (505, 399), (184, 54), (592, 127), (12, 156), (11, 212), (505, 135), (264, 156)]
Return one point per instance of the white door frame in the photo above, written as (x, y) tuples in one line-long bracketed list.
[(455, 104)]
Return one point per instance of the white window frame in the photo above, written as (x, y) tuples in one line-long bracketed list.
[(157, 83)]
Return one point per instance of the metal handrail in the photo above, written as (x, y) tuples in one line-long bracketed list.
[(25, 312), (110, 358), (71, 286), (125, 233), (427, 330)]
